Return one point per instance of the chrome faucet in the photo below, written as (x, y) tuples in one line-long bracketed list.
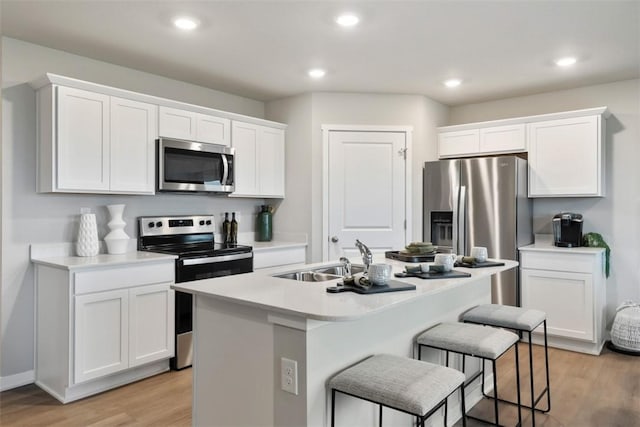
[(346, 265), (367, 256)]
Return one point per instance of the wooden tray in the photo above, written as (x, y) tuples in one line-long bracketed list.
[(453, 274), (410, 258)]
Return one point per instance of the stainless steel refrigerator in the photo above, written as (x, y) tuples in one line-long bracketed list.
[(480, 202)]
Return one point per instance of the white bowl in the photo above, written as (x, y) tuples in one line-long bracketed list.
[(379, 274)]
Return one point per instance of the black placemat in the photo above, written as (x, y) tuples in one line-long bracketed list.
[(453, 274), (409, 257), (391, 286), (479, 264)]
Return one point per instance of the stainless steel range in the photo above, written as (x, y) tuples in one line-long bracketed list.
[(191, 238)]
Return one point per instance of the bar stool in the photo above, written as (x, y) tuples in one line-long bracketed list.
[(407, 385), (521, 320), (484, 342)]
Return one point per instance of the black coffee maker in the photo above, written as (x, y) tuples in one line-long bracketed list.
[(567, 230)]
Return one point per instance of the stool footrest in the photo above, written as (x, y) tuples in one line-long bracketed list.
[(538, 399)]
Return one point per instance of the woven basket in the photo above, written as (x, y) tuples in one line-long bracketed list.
[(625, 332)]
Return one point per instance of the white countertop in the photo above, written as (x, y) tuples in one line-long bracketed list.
[(311, 300), (101, 260), (548, 246)]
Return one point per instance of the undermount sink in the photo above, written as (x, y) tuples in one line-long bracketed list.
[(320, 274)]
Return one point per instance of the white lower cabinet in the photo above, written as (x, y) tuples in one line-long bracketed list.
[(102, 327), (569, 285)]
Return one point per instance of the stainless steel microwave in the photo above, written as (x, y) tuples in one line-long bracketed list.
[(194, 166)]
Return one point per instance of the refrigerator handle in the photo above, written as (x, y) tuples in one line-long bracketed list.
[(462, 216)]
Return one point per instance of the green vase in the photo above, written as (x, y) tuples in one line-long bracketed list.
[(264, 228)]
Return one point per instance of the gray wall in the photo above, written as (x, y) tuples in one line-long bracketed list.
[(423, 114), (28, 217), (616, 215)]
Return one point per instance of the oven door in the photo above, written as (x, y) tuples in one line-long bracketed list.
[(194, 269), (189, 269), (194, 166)]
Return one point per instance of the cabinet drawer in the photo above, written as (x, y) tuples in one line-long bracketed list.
[(123, 277), (556, 261), (278, 256)]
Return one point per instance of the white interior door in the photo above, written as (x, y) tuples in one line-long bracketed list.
[(366, 191)]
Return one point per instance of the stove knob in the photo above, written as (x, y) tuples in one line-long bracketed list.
[(151, 225), (201, 222), (159, 224), (209, 222)]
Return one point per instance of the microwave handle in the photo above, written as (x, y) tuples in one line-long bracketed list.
[(225, 169)]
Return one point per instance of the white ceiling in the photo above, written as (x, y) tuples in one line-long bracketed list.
[(262, 49)]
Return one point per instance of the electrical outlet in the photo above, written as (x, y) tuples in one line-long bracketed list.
[(289, 375)]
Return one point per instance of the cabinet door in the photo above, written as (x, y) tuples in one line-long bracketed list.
[(503, 139), (565, 158), (459, 143), (82, 140), (175, 123), (245, 139), (214, 130), (133, 134), (151, 323), (567, 298), (271, 162), (101, 344)]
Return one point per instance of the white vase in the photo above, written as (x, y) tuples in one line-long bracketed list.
[(87, 244), (117, 240)]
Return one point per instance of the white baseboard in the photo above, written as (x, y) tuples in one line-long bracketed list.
[(17, 380)]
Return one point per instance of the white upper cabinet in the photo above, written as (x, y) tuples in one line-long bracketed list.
[(259, 160), (133, 133), (94, 143), (481, 141), (175, 123), (566, 157), (82, 141), (194, 126), (458, 143), (565, 150), (503, 139)]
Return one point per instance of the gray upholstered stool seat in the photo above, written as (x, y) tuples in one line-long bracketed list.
[(474, 340), (467, 339), (401, 383), (522, 320), (505, 316)]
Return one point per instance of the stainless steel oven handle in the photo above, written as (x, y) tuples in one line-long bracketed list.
[(225, 169), (214, 259)]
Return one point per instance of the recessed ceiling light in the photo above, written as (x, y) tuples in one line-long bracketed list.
[(317, 73), (185, 23), (452, 82), (566, 62), (347, 20)]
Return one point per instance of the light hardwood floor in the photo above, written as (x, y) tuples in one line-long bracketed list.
[(586, 391)]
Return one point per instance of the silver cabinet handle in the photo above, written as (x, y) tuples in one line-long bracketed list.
[(334, 239)]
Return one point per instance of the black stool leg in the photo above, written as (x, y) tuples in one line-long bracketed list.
[(533, 395), (463, 408), (546, 361), (518, 386), (495, 391), (380, 416), (333, 407)]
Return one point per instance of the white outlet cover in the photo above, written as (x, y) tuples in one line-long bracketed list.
[(289, 375)]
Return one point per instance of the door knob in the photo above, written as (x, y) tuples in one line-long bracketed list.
[(334, 239)]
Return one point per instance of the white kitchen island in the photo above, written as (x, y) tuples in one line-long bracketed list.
[(245, 324)]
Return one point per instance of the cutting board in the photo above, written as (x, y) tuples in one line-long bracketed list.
[(391, 286)]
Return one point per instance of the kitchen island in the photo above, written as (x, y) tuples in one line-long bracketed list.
[(244, 326)]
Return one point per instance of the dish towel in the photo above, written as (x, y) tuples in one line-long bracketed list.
[(595, 240)]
